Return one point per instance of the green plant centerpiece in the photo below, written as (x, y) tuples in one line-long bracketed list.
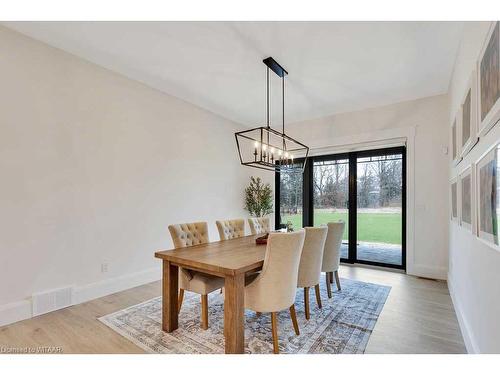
[(258, 198)]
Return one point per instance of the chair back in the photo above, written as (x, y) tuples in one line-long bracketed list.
[(189, 234), (312, 256), (331, 255), (259, 225), (229, 229), (275, 287)]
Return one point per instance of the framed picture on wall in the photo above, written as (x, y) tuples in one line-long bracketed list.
[(488, 184), (469, 138), (489, 80), (466, 199), (454, 200), (455, 151)]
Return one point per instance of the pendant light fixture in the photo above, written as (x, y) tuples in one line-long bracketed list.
[(267, 148)]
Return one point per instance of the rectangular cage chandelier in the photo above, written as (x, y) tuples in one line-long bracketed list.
[(267, 148)]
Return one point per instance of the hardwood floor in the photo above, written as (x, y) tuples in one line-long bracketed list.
[(418, 317)]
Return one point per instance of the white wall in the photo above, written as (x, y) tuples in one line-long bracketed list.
[(474, 269), (93, 168), (424, 123)]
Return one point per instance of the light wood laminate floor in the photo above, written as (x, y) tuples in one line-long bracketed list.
[(418, 317)]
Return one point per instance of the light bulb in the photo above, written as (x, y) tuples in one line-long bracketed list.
[(256, 144), (291, 156), (280, 152), (264, 147), (286, 155), (272, 150)]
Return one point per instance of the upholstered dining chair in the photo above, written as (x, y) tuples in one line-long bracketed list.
[(310, 263), (229, 229), (274, 288), (331, 255), (185, 235), (259, 225)]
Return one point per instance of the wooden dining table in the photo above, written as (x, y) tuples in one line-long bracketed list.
[(231, 260)]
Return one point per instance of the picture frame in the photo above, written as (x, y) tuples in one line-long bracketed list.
[(454, 140), (468, 114), (488, 195), (466, 198), (488, 81), (454, 200)]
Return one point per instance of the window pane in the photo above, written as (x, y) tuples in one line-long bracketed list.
[(379, 200), (331, 195), (290, 209)]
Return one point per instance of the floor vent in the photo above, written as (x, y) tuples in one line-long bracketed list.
[(52, 300)]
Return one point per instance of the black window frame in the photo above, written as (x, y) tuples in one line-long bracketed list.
[(308, 196)]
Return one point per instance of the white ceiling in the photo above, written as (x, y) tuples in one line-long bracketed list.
[(334, 66)]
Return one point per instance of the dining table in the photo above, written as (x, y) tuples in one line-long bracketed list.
[(230, 260)]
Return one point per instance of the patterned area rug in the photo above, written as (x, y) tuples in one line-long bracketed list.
[(343, 325)]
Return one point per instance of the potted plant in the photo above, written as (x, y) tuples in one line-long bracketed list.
[(258, 198)]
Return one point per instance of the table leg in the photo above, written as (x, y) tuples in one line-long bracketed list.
[(170, 286), (234, 314)]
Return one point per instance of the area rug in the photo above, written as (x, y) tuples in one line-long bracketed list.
[(342, 326)]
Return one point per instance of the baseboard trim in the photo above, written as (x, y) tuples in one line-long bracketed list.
[(114, 285), (439, 273), (21, 310), (15, 311), (470, 342)]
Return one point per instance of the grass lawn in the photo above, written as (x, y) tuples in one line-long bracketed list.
[(372, 227)]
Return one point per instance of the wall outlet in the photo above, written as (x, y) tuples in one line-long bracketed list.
[(104, 267)]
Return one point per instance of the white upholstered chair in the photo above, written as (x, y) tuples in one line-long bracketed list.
[(185, 235), (310, 263), (331, 255), (229, 229), (259, 225), (274, 288)]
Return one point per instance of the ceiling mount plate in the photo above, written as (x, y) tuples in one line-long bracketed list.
[(275, 67)]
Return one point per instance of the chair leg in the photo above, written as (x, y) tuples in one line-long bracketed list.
[(274, 323), (181, 298), (204, 311), (306, 301), (337, 280), (328, 286), (331, 277), (318, 296), (293, 315)]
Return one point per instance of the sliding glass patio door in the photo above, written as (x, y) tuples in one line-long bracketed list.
[(380, 207), (331, 194), (366, 189)]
